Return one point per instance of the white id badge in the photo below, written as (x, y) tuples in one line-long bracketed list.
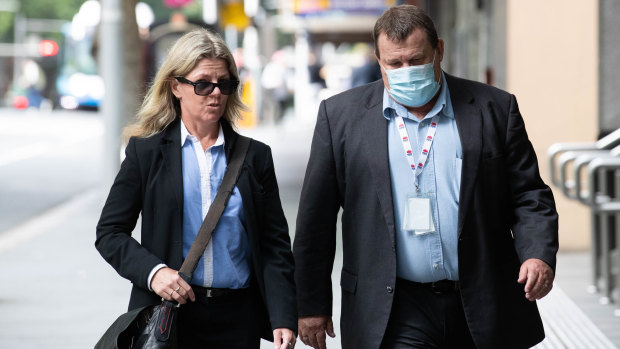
[(418, 215)]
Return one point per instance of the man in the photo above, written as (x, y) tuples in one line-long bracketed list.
[(449, 233)]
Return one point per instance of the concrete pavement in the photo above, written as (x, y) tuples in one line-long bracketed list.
[(57, 292)]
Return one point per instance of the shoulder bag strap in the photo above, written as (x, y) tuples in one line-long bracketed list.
[(216, 209)]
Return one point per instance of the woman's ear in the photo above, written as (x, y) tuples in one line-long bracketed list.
[(174, 87)]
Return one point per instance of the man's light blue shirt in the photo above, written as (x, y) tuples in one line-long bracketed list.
[(225, 262), (433, 256)]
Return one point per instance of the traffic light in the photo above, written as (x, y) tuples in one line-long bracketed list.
[(48, 48)]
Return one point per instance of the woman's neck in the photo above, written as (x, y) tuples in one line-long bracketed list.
[(207, 133)]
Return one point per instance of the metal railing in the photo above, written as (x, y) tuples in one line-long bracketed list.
[(563, 155), (590, 174)]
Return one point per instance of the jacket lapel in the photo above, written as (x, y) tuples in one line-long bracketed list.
[(243, 182), (230, 137), (468, 118), (375, 135), (171, 153)]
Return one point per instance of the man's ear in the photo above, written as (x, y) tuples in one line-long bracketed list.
[(440, 49)]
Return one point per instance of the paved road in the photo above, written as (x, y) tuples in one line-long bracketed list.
[(46, 158)]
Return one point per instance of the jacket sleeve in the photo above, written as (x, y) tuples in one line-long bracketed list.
[(277, 259), (535, 220), (314, 247), (118, 219)]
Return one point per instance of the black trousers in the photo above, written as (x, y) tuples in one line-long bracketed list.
[(421, 318), (219, 322)]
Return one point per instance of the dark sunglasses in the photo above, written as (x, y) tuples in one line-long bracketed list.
[(204, 88)]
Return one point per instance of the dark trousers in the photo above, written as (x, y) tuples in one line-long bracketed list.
[(422, 318), (219, 322)]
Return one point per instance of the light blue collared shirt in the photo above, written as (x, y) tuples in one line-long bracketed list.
[(434, 256), (225, 262)]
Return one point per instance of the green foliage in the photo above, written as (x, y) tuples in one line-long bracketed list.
[(6, 26), (40, 9), (162, 13), (66, 9), (193, 10), (50, 9)]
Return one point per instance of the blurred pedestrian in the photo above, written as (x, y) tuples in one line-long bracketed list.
[(277, 79), (315, 71), (449, 233), (369, 71), (176, 157)]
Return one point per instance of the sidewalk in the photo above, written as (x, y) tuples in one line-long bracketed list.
[(57, 291)]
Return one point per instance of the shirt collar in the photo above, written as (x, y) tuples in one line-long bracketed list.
[(185, 135), (443, 104)]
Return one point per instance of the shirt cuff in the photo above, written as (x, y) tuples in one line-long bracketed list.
[(152, 273)]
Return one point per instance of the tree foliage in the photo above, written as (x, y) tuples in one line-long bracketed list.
[(40, 9), (162, 13), (66, 9), (50, 9)]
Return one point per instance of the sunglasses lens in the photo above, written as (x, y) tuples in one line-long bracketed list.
[(228, 87), (204, 88)]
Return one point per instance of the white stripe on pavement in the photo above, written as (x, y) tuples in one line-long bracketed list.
[(39, 224)]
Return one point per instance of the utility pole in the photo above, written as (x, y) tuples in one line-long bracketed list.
[(112, 69), (19, 33)]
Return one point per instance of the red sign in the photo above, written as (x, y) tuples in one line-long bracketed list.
[(48, 48)]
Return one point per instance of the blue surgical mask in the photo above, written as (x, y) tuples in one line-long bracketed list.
[(413, 86)]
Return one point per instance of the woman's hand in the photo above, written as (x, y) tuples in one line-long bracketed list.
[(169, 285), (283, 338)]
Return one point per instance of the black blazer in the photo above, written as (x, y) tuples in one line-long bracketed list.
[(150, 183), (506, 215)]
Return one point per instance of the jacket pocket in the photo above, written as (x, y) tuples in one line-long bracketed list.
[(348, 281)]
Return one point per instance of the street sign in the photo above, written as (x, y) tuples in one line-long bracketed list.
[(48, 48)]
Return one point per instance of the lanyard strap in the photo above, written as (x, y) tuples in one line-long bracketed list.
[(426, 147)]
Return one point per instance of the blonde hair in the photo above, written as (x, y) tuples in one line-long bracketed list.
[(160, 107)]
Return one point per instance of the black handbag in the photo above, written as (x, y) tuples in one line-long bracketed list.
[(154, 326)]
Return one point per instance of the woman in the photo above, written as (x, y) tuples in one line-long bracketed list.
[(176, 157)]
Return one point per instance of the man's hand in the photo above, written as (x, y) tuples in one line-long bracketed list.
[(312, 330), (283, 338), (538, 278)]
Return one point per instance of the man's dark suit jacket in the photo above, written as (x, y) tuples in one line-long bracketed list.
[(150, 183), (506, 215)]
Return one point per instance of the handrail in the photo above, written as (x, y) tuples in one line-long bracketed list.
[(584, 160), (557, 148), (580, 162), (608, 142), (611, 163), (566, 184)]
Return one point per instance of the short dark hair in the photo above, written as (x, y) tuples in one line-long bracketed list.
[(400, 21)]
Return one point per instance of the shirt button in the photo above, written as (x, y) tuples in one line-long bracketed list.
[(390, 289), (435, 265)]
